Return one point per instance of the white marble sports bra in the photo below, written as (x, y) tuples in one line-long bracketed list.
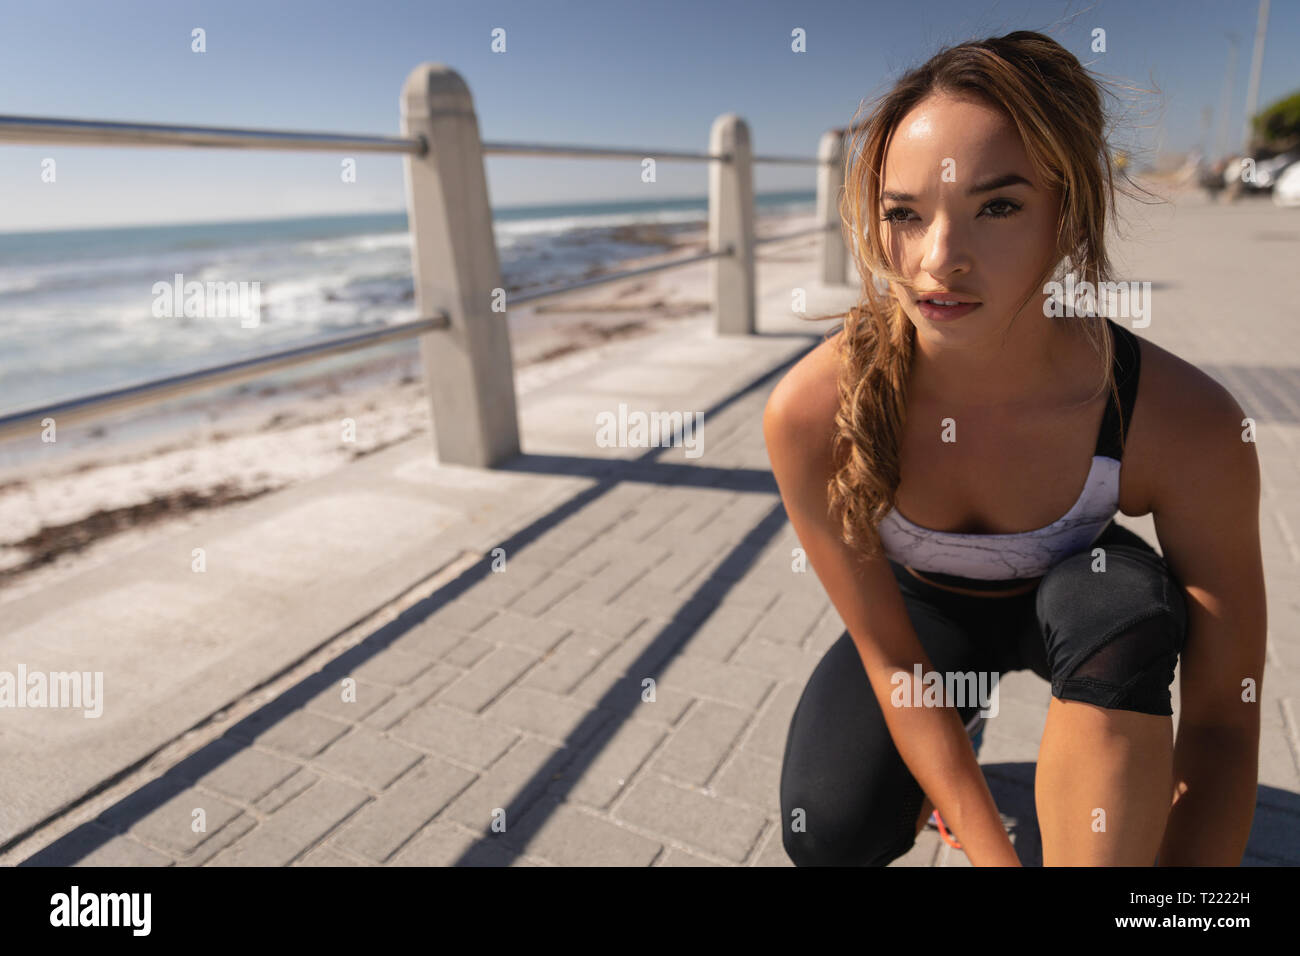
[(1030, 554)]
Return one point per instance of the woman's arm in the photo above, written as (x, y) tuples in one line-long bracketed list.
[(1206, 509), (798, 426)]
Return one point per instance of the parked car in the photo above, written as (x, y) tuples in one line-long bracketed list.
[(1267, 171), (1286, 189)]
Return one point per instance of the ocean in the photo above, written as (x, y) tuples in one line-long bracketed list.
[(77, 306)]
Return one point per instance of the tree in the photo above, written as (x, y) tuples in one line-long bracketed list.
[(1276, 128)]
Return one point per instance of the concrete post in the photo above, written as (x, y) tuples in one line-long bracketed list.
[(468, 367), (731, 222), (836, 263)]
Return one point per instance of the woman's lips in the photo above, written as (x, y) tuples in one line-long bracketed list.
[(945, 313)]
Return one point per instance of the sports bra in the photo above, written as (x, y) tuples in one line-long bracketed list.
[(1005, 559)]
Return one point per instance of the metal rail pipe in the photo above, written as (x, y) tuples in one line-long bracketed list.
[(73, 132), (155, 390)]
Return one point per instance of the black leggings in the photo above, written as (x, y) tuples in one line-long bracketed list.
[(1111, 639)]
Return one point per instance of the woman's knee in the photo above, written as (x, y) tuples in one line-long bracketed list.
[(1113, 625), (844, 788), (817, 832)]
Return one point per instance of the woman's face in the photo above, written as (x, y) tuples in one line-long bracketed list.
[(966, 219)]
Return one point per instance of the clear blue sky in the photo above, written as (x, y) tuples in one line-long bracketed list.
[(606, 72)]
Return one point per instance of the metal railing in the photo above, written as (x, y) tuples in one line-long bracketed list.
[(157, 390), (439, 124)]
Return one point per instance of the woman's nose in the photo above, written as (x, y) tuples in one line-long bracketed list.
[(945, 250)]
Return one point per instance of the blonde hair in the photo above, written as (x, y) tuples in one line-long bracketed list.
[(1056, 106)]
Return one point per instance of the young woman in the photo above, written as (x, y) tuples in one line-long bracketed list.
[(951, 460)]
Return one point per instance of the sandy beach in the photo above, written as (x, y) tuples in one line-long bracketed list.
[(109, 486)]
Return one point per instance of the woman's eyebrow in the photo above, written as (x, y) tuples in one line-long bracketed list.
[(1009, 179)]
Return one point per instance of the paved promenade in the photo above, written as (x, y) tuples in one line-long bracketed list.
[(359, 680)]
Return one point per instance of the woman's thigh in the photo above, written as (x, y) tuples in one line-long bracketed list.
[(847, 797)]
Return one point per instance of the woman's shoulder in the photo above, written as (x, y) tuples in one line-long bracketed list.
[(1175, 394), (1180, 416), (808, 394)]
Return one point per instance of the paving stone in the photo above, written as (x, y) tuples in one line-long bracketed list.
[(171, 825), (750, 778), (286, 791), (642, 523), (611, 621), (675, 569), (560, 668), (368, 758), (392, 818), (429, 640), (249, 774), (326, 855), (521, 630), (771, 729), (509, 785), (488, 679), (460, 614), (300, 733), (606, 765), (545, 594), (611, 580), (672, 856), (563, 537), (728, 683), (556, 718), (295, 827), (646, 650), (679, 530), (701, 742), (723, 632), (468, 652), (789, 620), (218, 841), (781, 662), (570, 836), (655, 601), (124, 851), (691, 817), (405, 700), (391, 668), (499, 589), (454, 733), (351, 703), (257, 848), (442, 844), (624, 695), (745, 593)]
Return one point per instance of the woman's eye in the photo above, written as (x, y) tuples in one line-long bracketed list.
[(1000, 208), (897, 214)]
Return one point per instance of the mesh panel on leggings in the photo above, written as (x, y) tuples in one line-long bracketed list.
[(1131, 671)]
